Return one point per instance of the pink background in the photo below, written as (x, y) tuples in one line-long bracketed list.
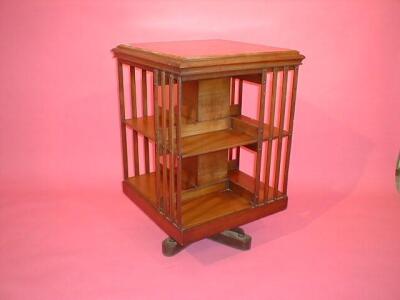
[(68, 232)]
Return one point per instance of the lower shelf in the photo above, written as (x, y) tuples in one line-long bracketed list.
[(205, 208), (202, 216), (212, 206), (198, 210)]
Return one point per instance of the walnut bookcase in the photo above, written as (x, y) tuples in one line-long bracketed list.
[(182, 140)]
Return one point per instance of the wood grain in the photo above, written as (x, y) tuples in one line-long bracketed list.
[(134, 115), (122, 120), (157, 146), (271, 126), (291, 119), (144, 114), (260, 134), (281, 120), (197, 188)]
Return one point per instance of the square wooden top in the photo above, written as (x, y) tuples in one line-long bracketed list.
[(203, 53)]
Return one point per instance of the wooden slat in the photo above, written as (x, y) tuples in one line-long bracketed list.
[(179, 155), (122, 119), (172, 200), (145, 113), (164, 96), (240, 95), (271, 124), (240, 107), (157, 137), (232, 102), (289, 141), (260, 137), (281, 121), (134, 115)]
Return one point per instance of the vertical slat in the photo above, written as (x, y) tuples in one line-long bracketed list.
[(179, 155), (144, 108), (172, 204), (290, 129), (271, 127), (164, 142), (134, 115), (233, 85), (281, 113), (260, 133), (122, 119), (240, 107), (157, 145)]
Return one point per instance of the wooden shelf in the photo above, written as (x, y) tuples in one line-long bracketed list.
[(143, 126), (214, 141), (145, 186), (211, 141), (198, 210), (212, 206), (205, 208), (252, 123), (247, 182)]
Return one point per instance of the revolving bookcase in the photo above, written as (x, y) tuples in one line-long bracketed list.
[(184, 130)]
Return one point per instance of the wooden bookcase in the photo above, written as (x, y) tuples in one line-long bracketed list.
[(182, 132)]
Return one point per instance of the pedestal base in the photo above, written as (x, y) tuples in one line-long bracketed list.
[(235, 238)]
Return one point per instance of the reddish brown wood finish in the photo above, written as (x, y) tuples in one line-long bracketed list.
[(122, 118), (195, 189)]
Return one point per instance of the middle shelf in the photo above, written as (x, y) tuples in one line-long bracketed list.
[(222, 134)]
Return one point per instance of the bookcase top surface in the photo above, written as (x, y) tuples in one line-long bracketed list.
[(205, 48), (197, 53)]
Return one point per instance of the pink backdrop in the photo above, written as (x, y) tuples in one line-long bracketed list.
[(68, 232)]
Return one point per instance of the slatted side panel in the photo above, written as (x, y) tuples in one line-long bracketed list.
[(158, 145), (168, 91), (171, 149), (291, 110), (164, 101), (145, 114), (134, 104), (178, 119), (280, 115)]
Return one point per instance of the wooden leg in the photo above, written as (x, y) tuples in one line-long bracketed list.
[(170, 247), (235, 238)]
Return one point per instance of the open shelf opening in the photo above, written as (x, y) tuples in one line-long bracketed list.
[(212, 126), (222, 198)]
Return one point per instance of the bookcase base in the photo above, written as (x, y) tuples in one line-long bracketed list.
[(213, 229), (235, 238)]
